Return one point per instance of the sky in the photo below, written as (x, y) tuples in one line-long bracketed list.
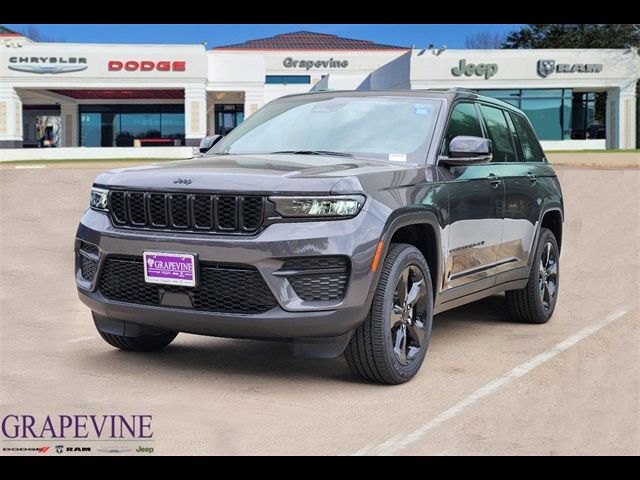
[(451, 35)]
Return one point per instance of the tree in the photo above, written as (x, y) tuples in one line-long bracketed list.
[(484, 40), (574, 35)]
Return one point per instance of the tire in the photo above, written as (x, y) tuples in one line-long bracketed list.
[(376, 351), (537, 300), (143, 343)]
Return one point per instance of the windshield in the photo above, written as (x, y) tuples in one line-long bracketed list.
[(386, 128)]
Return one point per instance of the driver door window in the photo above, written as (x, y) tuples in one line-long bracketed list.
[(499, 133)]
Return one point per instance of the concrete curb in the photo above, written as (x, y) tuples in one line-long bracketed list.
[(93, 154)]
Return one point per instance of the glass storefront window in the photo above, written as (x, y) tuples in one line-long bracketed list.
[(228, 117), (548, 117), (287, 79), (588, 117), (120, 125), (545, 93), (172, 125), (91, 129), (557, 113)]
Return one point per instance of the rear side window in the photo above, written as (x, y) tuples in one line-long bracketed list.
[(499, 133), (464, 121), (531, 151)]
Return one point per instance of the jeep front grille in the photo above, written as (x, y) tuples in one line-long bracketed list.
[(221, 288), (192, 212)]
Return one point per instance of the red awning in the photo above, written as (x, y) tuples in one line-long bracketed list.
[(122, 94)]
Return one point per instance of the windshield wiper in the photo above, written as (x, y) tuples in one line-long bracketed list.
[(313, 152)]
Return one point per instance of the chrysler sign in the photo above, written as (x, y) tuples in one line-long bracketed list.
[(48, 64)]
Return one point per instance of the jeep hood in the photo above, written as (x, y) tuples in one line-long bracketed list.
[(267, 174)]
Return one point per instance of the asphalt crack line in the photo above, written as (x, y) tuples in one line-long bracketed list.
[(400, 442)]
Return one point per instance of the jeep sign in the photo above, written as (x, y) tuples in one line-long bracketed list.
[(487, 70)]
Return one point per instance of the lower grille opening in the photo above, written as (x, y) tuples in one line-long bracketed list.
[(88, 264), (222, 288), (318, 279), (88, 267), (89, 248)]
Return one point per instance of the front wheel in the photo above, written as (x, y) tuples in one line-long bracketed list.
[(537, 300), (141, 343), (390, 346)]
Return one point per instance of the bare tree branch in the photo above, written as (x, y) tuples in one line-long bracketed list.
[(484, 40)]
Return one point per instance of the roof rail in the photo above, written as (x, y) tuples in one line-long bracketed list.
[(460, 89)]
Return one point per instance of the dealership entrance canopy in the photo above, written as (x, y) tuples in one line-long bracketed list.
[(99, 95)]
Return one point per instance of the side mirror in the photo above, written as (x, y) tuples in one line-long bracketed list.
[(208, 142), (466, 150)]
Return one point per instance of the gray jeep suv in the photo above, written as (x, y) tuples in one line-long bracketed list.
[(338, 221)]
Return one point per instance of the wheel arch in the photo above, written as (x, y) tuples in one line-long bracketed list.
[(421, 229), (552, 218), (551, 215)]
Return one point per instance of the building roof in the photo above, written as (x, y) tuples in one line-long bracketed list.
[(7, 32), (308, 41)]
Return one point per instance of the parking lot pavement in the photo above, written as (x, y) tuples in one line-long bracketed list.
[(488, 386)]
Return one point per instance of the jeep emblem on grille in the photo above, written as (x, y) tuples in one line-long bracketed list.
[(183, 181)]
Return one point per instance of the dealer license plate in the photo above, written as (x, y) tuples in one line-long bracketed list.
[(170, 268)]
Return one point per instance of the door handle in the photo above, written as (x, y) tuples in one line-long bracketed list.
[(533, 178), (494, 180)]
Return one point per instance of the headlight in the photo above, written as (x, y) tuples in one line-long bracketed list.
[(334, 206), (99, 197)]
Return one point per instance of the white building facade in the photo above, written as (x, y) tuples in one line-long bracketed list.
[(165, 95)]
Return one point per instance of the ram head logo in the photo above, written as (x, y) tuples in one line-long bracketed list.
[(546, 67)]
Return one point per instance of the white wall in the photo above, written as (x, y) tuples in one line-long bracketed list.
[(239, 70), (394, 75), (97, 73), (618, 72), (519, 68), (234, 69)]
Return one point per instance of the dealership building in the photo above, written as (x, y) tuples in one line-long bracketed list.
[(110, 95)]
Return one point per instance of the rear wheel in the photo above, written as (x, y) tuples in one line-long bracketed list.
[(535, 302), (390, 346)]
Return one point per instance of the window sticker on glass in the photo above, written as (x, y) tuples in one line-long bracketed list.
[(397, 157), (423, 109)]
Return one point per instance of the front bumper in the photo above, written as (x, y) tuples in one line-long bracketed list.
[(354, 238)]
